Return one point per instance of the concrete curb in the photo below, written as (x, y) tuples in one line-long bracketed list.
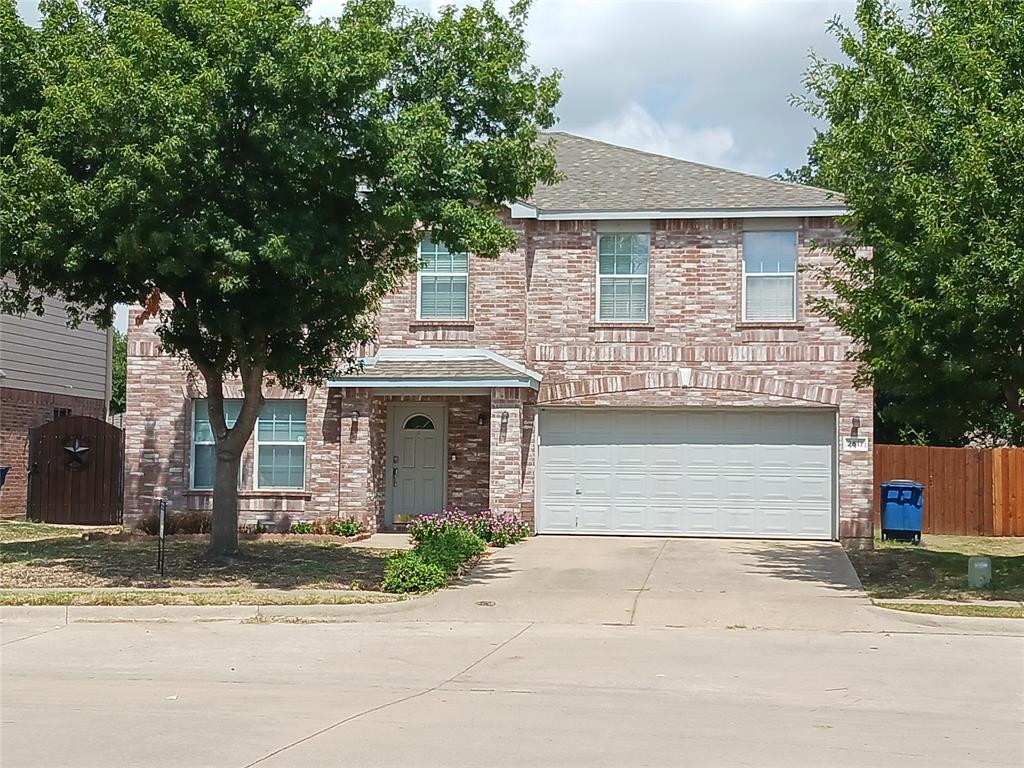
[(112, 614)]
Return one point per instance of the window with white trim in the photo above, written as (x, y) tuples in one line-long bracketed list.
[(443, 282), (281, 445), (204, 448), (622, 266), (769, 276)]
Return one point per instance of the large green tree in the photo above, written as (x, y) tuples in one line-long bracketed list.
[(924, 137), (257, 180)]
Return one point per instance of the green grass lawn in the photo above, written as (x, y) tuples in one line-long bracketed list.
[(52, 557), (937, 569)]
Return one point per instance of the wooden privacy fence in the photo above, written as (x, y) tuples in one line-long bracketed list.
[(968, 491)]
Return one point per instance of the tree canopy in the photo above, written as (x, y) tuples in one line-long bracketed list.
[(256, 179), (924, 130)]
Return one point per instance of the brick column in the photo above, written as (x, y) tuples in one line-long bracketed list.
[(856, 473), (506, 468), (355, 480)]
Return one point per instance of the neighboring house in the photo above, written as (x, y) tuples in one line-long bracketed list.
[(647, 361), (47, 370)]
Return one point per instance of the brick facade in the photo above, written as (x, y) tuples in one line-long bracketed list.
[(20, 411), (536, 305)]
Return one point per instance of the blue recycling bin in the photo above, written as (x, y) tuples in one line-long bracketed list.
[(902, 510)]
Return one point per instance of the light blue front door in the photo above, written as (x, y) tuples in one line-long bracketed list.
[(416, 461)]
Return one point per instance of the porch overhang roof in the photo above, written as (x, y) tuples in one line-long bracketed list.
[(437, 368)]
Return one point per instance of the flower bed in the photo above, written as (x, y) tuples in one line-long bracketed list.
[(446, 545), (497, 530)]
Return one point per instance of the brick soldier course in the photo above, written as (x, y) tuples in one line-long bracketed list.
[(536, 306)]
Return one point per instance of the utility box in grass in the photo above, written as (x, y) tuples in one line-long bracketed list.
[(979, 572), (902, 510)]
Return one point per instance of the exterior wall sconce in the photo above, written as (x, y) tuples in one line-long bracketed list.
[(481, 419), (504, 418), (452, 458), (854, 426), (354, 415)]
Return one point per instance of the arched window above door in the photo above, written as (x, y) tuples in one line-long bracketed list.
[(418, 421)]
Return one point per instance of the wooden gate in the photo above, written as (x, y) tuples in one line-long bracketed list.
[(75, 472)]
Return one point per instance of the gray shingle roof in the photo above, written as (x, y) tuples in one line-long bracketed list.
[(437, 367), (456, 370), (605, 177)]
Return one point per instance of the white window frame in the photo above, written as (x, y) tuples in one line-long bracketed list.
[(192, 451), (794, 274), (419, 289), (646, 276), (256, 450)]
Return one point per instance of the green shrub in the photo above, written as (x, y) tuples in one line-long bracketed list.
[(329, 526), (450, 548), (193, 522), (347, 527), (408, 572), (150, 524)]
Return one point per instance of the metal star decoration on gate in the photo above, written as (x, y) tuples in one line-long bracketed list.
[(76, 452)]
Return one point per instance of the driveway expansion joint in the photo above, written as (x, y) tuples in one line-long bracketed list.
[(647, 578), (395, 702)]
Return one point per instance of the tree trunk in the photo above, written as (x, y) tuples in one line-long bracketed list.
[(230, 440), (224, 527), (1014, 400)]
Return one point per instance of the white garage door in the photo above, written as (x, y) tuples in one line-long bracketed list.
[(710, 472)]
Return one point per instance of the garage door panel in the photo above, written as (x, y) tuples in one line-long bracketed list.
[(701, 518), (560, 518), (594, 517), (666, 519), (630, 487), (560, 485), (594, 485), (668, 485), (708, 472)]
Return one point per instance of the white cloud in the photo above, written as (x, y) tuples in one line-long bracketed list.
[(635, 127), (707, 80)]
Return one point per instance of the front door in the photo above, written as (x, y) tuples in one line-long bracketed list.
[(416, 465)]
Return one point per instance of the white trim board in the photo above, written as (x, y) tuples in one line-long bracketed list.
[(525, 212)]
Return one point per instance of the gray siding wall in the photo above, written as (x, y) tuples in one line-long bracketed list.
[(43, 355)]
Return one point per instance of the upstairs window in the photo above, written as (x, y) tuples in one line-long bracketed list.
[(622, 263), (204, 449), (769, 276), (443, 282), (281, 444)]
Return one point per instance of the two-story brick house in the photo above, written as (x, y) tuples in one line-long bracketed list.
[(646, 361)]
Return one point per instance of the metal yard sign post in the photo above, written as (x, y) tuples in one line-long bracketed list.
[(160, 538)]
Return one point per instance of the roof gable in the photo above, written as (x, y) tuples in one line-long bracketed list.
[(601, 177)]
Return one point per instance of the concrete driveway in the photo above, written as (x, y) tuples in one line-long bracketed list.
[(712, 583)]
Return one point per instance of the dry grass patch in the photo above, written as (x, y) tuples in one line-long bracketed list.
[(937, 568), (960, 609), (52, 563)]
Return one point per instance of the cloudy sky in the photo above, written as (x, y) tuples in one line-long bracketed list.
[(708, 81)]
